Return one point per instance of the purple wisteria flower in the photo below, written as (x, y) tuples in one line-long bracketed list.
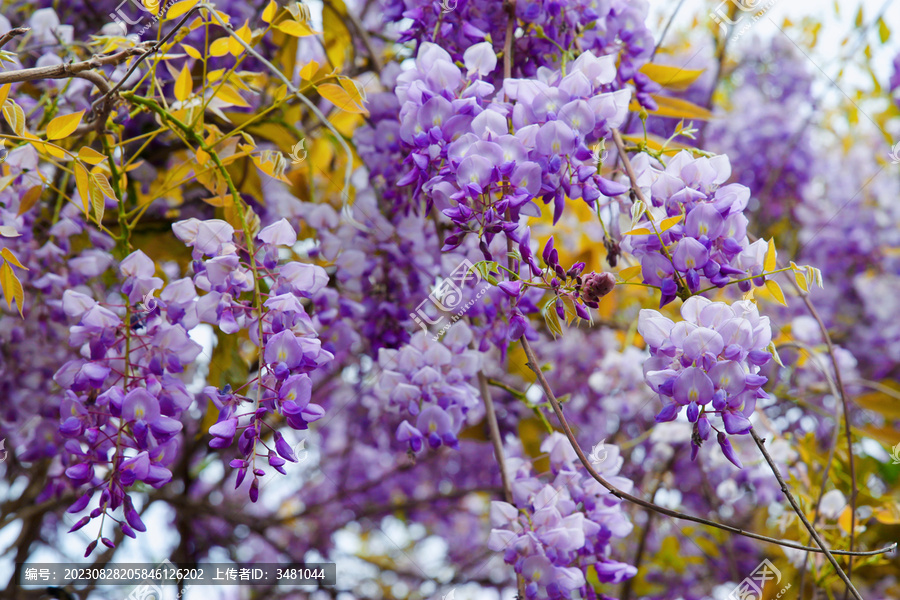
[(559, 529), (709, 242), (709, 364), (429, 381)]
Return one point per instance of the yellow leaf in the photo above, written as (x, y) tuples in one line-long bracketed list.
[(29, 199), (670, 222), (15, 116), (98, 201), (91, 156), (8, 255), (35, 141), (881, 403), (230, 95), (180, 8), (889, 515), (12, 288), (219, 47), (775, 290), (640, 231), (270, 11), (83, 184), (674, 107), (801, 281), (630, 273), (63, 126), (308, 70), (295, 29), (214, 76), (357, 93), (338, 96), (103, 183), (771, 262), (184, 85), (235, 46), (202, 156), (55, 151), (674, 78), (339, 46), (654, 142), (4, 92), (192, 52), (844, 519), (884, 33)]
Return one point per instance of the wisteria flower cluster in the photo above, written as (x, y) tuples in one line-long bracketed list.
[(707, 237), (281, 327), (186, 311), (481, 172), (708, 363), (430, 382), (560, 531)]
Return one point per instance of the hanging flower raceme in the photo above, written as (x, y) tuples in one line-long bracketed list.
[(696, 229), (124, 399), (484, 161), (427, 380), (562, 529), (709, 363), (281, 326)]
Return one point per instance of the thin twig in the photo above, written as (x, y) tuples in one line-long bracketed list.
[(825, 472), (812, 530), (294, 90), (846, 408), (533, 365), (66, 70), (6, 37)]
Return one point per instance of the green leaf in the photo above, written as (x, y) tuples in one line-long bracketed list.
[(551, 318)]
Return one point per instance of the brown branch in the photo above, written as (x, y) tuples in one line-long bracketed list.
[(533, 365), (6, 37), (67, 70), (812, 530)]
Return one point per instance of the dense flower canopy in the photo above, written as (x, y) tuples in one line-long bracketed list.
[(450, 293)]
